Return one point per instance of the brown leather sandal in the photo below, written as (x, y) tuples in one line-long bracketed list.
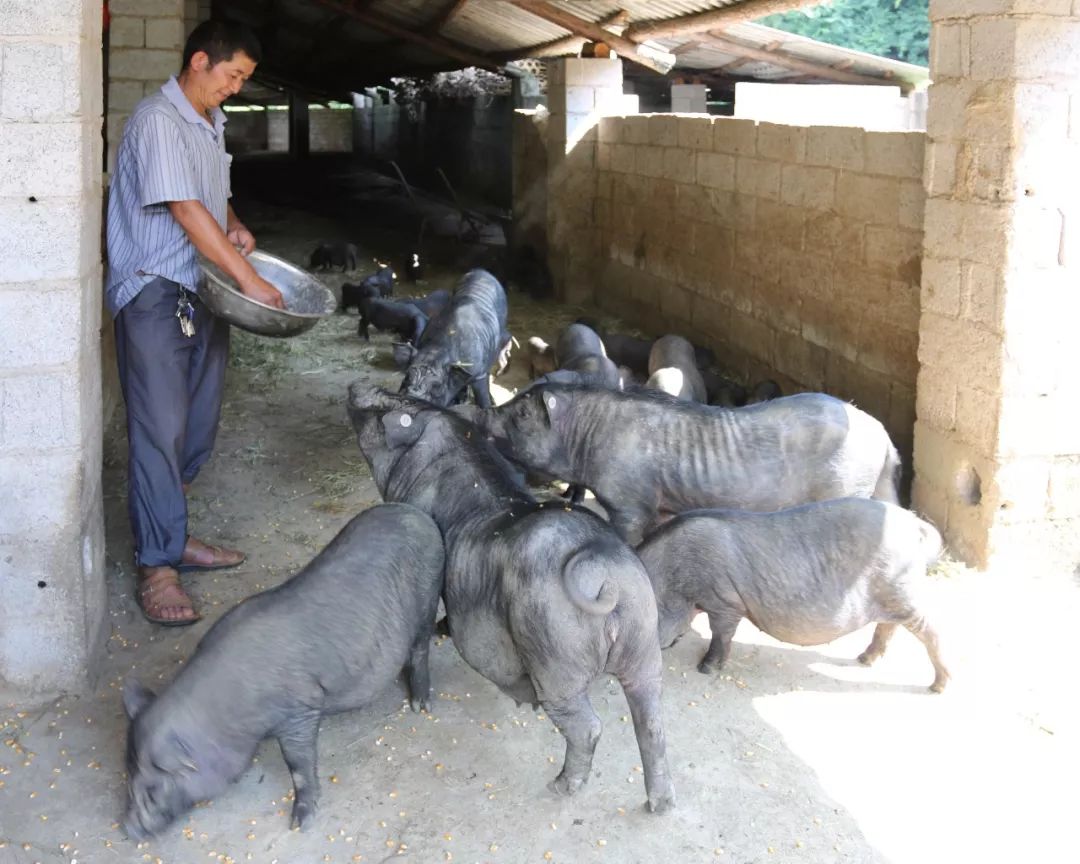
[(159, 588), (202, 556)]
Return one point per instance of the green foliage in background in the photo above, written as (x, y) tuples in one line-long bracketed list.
[(898, 29)]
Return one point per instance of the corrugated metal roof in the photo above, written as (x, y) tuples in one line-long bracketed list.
[(706, 56), (322, 44)]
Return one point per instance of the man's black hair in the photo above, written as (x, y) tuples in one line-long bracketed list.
[(220, 40)]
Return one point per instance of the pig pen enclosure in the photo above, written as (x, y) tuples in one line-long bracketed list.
[(788, 755)]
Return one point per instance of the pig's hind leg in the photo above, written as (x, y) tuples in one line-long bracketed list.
[(579, 725), (723, 625), (418, 671), (299, 747), (644, 701), (882, 634), (928, 636)]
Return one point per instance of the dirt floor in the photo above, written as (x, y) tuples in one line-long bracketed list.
[(791, 755)]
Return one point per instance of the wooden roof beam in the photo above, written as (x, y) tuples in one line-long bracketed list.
[(566, 43), (748, 10), (437, 44), (803, 67), (655, 60), (449, 12)]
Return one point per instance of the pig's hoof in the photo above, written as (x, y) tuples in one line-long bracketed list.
[(419, 705), (938, 687), (661, 803), (866, 658), (706, 668), (303, 815), (565, 786)]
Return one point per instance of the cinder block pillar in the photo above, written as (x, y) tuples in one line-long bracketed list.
[(195, 12), (997, 439), (146, 43), (299, 126), (580, 91), (52, 583), (689, 99)]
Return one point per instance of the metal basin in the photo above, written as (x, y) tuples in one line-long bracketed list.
[(306, 298)]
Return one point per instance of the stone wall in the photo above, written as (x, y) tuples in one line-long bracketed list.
[(469, 139), (146, 42), (330, 131), (52, 580), (997, 446), (795, 252), (247, 131), (530, 182)]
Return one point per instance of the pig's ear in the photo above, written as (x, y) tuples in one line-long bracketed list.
[(552, 405), (136, 698), (401, 429)]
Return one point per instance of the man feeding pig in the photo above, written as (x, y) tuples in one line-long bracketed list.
[(169, 199)]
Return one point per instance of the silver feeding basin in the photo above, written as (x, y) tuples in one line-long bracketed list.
[(307, 300)]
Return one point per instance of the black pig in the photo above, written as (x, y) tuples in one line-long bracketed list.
[(540, 599), (805, 575), (647, 456), (329, 639)]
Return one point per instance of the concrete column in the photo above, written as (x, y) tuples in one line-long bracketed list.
[(146, 44), (997, 440), (299, 126), (195, 12), (52, 582), (580, 91), (688, 99)]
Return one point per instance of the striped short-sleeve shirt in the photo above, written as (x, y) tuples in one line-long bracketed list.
[(167, 153)]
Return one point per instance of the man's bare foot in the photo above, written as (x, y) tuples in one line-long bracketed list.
[(162, 598), (202, 556)]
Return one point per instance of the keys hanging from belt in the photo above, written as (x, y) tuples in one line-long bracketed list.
[(185, 312)]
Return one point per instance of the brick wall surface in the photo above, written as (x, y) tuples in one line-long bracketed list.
[(795, 252), (330, 131), (996, 399), (52, 585)]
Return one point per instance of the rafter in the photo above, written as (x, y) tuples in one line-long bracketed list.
[(449, 12), (591, 30), (748, 10), (564, 43), (438, 44), (804, 67), (686, 47)]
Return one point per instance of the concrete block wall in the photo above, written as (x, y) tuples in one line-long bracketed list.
[(52, 581), (794, 251), (146, 42), (581, 91), (529, 183), (997, 447), (277, 131), (246, 131), (330, 131)]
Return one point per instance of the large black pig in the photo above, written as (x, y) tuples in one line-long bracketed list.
[(647, 456), (329, 639), (804, 575), (540, 599), (460, 344)]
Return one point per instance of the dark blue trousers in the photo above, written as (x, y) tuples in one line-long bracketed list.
[(172, 388)]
